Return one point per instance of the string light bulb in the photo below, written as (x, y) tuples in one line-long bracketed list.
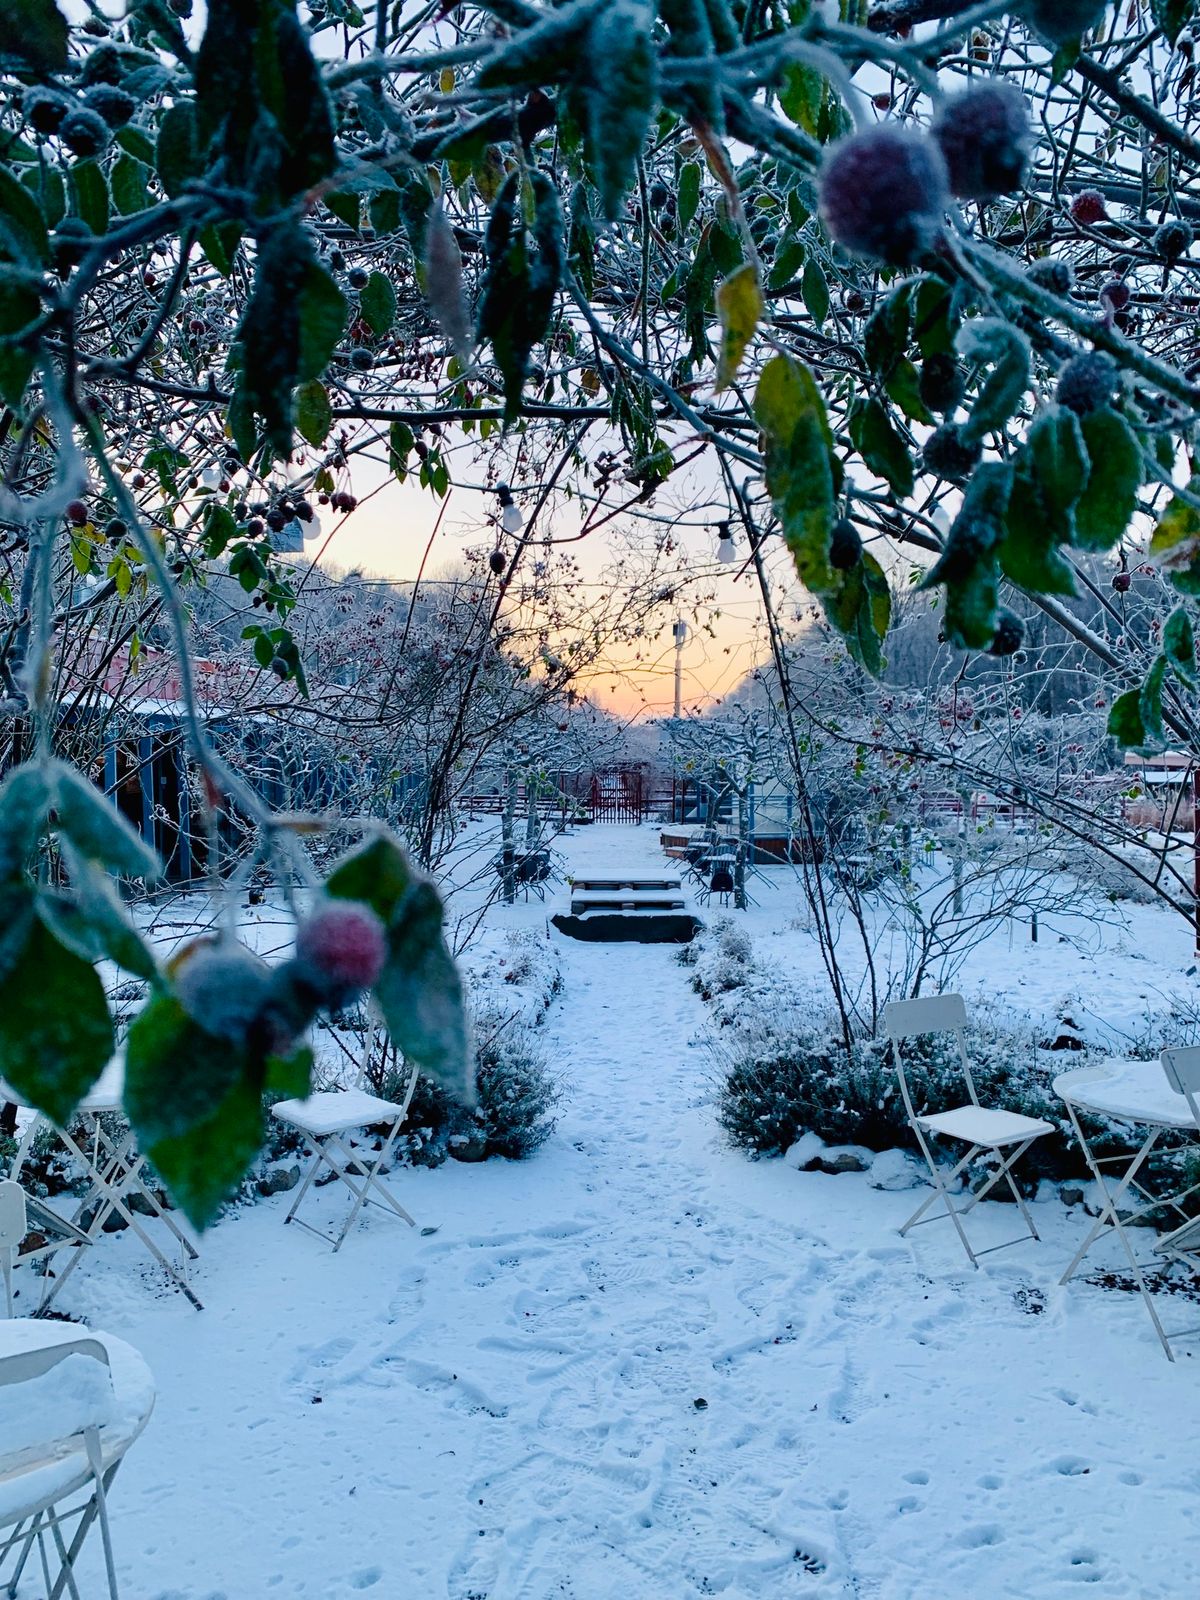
[(511, 519), (726, 551)]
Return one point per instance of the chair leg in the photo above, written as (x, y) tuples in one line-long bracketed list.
[(943, 1193)]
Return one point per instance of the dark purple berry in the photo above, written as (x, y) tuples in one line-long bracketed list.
[(1115, 295), (84, 132), (114, 104), (949, 454), (255, 528), (343, 945), (44, 109), (497, 562), (280, 667), (1122, 582), (1009, 635), (1089, 207), (70, 242), (222, 985), (883, 194), (104, 65), (1174, 239), (116, 530), (1053, 273), (359, 278), (986, 140), (77, 513), (845, 545), (361, 360), (303, 511), (1087, 382), (941, 383), (276, 520)]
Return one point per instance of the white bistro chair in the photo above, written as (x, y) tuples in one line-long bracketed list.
[(14, 1224), (1006, 1135), (1182, 1068), (70, 1407), (327, 1122)]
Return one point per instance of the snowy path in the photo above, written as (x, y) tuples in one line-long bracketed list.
[(640, 1367)]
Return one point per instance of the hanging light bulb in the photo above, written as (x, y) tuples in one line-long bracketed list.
[(511, 519), (726, 551)]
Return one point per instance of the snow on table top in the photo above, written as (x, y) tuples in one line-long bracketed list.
[(1130, 1091), (104, 1095), (41, 1455)]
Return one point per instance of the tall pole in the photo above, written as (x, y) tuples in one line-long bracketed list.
[(680, 632)]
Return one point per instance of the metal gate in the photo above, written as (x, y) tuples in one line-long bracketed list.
[(619, 794)]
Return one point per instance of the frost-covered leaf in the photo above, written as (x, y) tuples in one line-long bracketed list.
[(314, 414), (55, 1031), (799, 475), (739, 306), (619, 95), (1107, 504), (35, 31), (989, 341), (1179, 645), (968, 566), (377, 302), (880, 446)]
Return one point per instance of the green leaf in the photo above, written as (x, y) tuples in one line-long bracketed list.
[(129, 186), (620, 51), (291, 1075), (739, 306), (968, 563), (400, 443), (1179, 645), (803, 95), (1175, 542), (524, 270), (314, 414), (1107, 504), (689, 193), (89, 190), (20, 307), (219, 241), (880, 446), (96, 828), (799, 476), (377, 303), (91, 920), (1172, 15), (35, 31), (203, 1167), (175, 1071), (1058, 461), (991, 341), (180, 158), (419, 991), (55, 1031), (1150, 703), (347, 208), (22, 226), (26, 796), (815, 292), (861, 610), (323, 313)]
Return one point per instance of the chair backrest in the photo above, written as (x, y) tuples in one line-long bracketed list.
[(1182, 1068), (56, 1408), (933, 1013), (13, 1218)]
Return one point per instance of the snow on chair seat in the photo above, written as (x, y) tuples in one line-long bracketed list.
[(339, 1111), (326, 1121), (980, 1128), (979, 1125), (70, 1407)]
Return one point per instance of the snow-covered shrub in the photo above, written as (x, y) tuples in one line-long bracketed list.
[(796, 1076), (1110, 878), (723, 959), (517, 1093), (517, 1097)]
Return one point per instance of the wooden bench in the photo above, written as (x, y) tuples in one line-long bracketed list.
[(626, 894)]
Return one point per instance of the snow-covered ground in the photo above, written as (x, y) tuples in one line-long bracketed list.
[(642, 1366)]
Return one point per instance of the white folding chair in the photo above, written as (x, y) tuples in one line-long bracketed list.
[(44, 1477), (1182, 1068), (327, 1121), (14, 1225), (1005, 1135)]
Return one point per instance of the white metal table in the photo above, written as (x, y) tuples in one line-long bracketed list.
[(71, 1404), (1137, 1094), (114, 1173)]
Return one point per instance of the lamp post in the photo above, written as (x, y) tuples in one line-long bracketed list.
[(679, 632)]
